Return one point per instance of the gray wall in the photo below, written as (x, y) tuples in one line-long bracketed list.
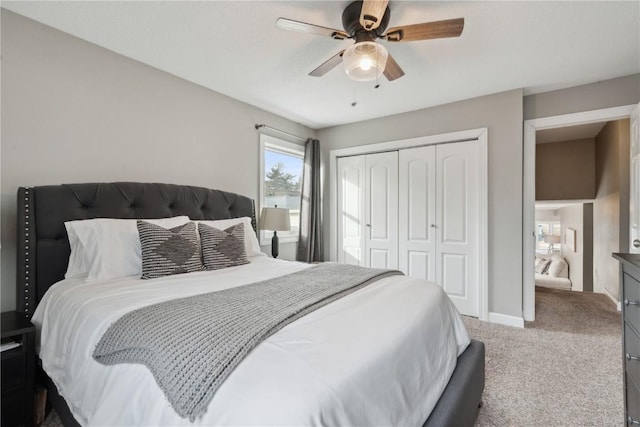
[(607, 205), (565, 170), (502, 115), (594, 96), (75, 112)]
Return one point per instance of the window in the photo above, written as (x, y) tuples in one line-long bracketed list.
[(281, 165), (546, 228)]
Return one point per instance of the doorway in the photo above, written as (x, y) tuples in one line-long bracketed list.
[(529, 168)]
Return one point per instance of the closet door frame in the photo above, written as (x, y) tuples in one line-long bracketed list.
[(481, 137)]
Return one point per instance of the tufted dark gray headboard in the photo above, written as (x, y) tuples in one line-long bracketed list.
[(43, 247)]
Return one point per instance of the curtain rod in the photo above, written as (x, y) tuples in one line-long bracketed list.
[(258, 126)]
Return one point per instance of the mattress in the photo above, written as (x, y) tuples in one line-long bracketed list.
[(379, 356)]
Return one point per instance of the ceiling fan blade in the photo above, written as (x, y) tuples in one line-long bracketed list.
[(372, 13), (392, 70), (426, 31), (303, 27), (328, 65)]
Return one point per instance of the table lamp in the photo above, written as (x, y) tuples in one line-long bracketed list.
[(551, 240), (276, 219)]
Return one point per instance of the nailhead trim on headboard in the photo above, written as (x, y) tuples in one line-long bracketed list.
[(27, 307), (42, 245)]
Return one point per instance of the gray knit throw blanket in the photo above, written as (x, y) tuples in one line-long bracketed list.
[(191, 345)]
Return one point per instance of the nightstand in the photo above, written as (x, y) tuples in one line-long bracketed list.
[(18, 365)]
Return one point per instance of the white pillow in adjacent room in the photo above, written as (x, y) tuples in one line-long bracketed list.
[(106, 248), (557, 266), (540, 262), (250, 239), (542, 265)]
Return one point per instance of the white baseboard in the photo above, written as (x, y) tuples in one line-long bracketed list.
[(504, 319), (612, 298)]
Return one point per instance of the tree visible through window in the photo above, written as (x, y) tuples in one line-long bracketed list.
[(279, 182), (282, 181)]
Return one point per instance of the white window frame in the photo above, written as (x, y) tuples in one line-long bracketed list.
[(275, 144), (551, 224)]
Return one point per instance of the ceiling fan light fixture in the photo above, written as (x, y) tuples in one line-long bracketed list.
[(365, 61)]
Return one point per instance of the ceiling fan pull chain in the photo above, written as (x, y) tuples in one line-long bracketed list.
[(354, 102), (377, 85)]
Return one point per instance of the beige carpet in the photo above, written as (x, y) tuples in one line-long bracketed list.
[(564, 369)]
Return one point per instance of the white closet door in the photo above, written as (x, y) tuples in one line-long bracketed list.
[(634, 188), (381, 200), (457, 228), (417, 212), (351, 210)]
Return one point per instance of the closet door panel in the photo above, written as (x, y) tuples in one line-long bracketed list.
[(454, 183), (379, 258), (457, 227), (418, 264), (454, 274), (417, 210), (381, 200), (351, 210), (379, 182)]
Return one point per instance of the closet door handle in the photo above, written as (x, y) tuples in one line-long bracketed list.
[(630, 357), (434, 226), (628, 303), (368, 225)]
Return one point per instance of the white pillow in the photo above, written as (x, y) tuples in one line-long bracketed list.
[(542, 266), (557, 267), (540, 260), (106, 248), (250, 239), (79, 264)]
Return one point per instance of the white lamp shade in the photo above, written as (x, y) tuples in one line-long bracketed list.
[(365, 61), (275, 219), (552, 239)]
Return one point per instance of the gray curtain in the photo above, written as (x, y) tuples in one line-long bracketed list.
[(310, 238)]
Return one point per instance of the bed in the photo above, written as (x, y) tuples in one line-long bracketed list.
[(43, 249)]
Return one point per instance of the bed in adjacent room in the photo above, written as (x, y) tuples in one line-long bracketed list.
[(391, 350)]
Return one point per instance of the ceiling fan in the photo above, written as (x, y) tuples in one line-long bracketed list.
[(365, 21)]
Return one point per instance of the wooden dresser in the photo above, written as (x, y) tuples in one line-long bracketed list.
[(630, 297)]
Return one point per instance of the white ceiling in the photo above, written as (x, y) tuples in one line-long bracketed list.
[(234, 48), (569, 133)]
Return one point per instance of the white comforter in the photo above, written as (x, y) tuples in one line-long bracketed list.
[(380, 356)]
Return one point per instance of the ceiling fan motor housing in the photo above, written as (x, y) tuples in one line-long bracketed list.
[(366, 59), (351, 22)]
